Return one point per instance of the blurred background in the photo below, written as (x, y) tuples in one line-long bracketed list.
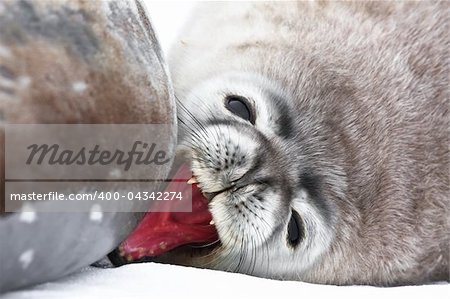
[(168, 17)]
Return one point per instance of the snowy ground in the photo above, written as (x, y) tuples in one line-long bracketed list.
[(165, 281)]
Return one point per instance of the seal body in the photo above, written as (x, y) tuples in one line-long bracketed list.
[(351, 124), (75, 62)]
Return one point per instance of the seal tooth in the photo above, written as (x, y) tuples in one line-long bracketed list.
[(192, 180)]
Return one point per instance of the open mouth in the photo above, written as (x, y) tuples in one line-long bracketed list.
[(160, 232)]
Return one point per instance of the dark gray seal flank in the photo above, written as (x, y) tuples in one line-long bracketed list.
[(63, 25)]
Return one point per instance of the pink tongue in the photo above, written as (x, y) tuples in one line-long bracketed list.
[(160, 232)]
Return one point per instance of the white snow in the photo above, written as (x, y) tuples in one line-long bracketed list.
[(151, 280)]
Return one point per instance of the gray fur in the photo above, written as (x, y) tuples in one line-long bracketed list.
[(367, 88)]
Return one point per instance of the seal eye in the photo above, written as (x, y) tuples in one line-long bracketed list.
[(239, 106), (295, 231)]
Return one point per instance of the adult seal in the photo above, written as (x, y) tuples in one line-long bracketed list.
[(76, 62)]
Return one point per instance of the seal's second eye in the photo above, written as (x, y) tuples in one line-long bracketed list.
[(239, 106), (295, 229)]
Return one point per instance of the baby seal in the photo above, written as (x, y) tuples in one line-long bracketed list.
[(319, 132)]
